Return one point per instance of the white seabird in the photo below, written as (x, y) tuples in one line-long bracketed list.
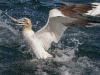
[(59, 19)]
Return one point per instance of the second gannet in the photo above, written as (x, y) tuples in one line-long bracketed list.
[(59, 19)]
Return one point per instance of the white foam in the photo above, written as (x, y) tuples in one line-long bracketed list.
[(64, 70), (64, 55)]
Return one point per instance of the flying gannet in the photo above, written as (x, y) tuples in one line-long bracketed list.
[(59, 19)]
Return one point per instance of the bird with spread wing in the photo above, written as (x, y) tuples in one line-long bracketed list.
[(59, 20)]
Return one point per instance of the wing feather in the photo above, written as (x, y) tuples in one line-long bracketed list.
[(58, 22), (52, 32)]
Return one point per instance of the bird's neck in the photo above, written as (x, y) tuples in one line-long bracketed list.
[(28, 30)]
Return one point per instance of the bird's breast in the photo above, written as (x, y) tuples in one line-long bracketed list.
[(32, 41), (28, 36)]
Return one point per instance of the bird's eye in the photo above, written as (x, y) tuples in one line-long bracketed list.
[(25, 20)]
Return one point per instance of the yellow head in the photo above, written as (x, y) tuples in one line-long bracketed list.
[(25, 22)]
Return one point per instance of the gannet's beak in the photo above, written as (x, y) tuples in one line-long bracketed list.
[(20, 22)]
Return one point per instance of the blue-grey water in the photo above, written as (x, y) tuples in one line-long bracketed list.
[(77, 53)]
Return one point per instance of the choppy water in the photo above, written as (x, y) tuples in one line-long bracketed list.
[(77, 53)]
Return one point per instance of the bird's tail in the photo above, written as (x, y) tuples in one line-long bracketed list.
[(95, 11)]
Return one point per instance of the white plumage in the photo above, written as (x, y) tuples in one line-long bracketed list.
[(95, 11), (59, 19)]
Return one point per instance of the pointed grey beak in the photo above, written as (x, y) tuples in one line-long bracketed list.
[(19, 21), (15, 20)]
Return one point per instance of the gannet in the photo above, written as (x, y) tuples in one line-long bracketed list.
[(59, 20)]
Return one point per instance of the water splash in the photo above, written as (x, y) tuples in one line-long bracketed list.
[(3, 24)]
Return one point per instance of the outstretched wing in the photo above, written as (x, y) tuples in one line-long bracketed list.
[(60, 19)]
